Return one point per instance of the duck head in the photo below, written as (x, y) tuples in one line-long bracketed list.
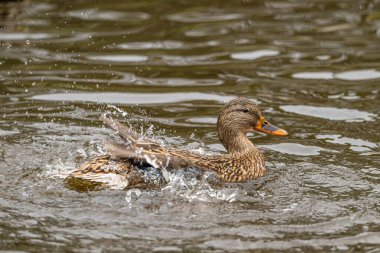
[(236, 119)]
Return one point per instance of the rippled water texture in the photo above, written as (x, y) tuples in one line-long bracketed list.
[(165, 68)]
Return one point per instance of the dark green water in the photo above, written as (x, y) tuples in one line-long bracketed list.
[(166, 68)]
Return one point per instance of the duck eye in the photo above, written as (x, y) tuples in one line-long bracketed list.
[(245, 110)]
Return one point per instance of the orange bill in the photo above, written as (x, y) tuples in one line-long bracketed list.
[(266, 127)]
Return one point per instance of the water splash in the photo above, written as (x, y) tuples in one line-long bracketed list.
[(193, 189), (118, 109), (132, 194), (62, 168)]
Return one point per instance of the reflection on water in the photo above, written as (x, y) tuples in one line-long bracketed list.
[(254, 54), (355, 144), (24, 36), (119, 58), (295, 149), (134, 98), (94, 14), (354, 75), (330, 113), (165, 68)]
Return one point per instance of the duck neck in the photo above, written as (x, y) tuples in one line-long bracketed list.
[(237, 143)]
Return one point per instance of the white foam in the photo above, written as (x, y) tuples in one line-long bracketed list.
[(197, 190)]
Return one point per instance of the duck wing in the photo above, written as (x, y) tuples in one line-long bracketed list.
[(149, 153), (125, 132), (142, 150)]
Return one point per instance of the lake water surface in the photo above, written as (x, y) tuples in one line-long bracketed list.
[(166, 68)]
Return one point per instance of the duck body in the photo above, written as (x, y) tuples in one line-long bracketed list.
[(243, 162)]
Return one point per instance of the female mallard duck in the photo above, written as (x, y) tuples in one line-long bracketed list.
[(243, 161)]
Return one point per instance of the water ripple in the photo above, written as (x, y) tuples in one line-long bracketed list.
[(210, 16), (341, 243), (330, 113), (140, 45), (118, 58), (353, 75), (358, 145), (95, 14), (253, 55), (295, 149), (168, 66), (18, 36), (133, 98)]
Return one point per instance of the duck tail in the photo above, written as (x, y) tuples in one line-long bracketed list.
[(97, 165), (106, 173)]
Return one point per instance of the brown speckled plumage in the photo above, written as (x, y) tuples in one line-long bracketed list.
[(243, 161)]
